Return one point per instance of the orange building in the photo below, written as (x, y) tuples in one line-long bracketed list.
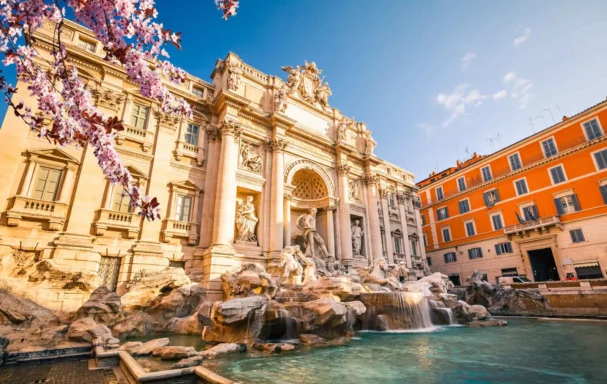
[(537, 208)]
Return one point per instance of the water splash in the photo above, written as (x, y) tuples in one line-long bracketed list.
[(445, 313), (396, 311)]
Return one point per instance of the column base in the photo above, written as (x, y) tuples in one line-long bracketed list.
[(216, 259)]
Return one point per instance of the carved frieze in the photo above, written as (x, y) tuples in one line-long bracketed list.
[(354, 191), (278, 145), (306, 81), (230, 128), (249, 157), (107, 98), (167, 120), (343, 169), (213, 133)]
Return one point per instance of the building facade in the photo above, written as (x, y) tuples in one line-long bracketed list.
[(536, 208), (234, 182)]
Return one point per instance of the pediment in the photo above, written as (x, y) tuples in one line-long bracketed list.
[(56, 154), (136, 173), (186, 184)]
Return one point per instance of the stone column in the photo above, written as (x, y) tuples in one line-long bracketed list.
[(330, 230), (287, 220), (68, 184), (29, 175), (225, 205), (402, 200), (345, 235), (277, 146), (210, 185), (375, 231), (388, 231)]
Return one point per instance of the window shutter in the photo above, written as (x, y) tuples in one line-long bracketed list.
[(486, 198), (446, 258), (559, 207), (470, 253), (576, 203), (604, 193), (509, 247), (480, 252), (498, 249), (446, 212), (535, 212), (497, 195)]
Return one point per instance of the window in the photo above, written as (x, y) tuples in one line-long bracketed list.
[(197, 91), (502, 248), (461, 184), (592, 129), (439, 193), (530, 213), (397, 243), (509, 272), (475, 253), (191, 134), (391, 200), (521, 187), (183, 208), (429, 261), (122, 201), (414, 246), (470, 230), (47, 184), (442, 213), (603, 189), (87, 45), (515, 162), (601, 159), (425, 240), (589, 270), (455, 279), (557, 174), (446, 234), (491, 197), (549, 147), (496, 220), (450, 257), (139, 116), (567, 204), (177, 264), (423, 219), (486, 171), (464, 206), (577, 236)]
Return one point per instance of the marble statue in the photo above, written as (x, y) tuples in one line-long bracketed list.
[(293, 78), (322, 94), (310, 267), (342, 129), (376, 274), (234, 72), (280, 100), (357, 237), (292, 270), (369, 142), (314, 243), (249, 159), (308, 84), (246, 221), (399, 272)]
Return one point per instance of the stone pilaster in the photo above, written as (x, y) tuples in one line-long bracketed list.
[(330, 230), (345, 235), (277, 147), (402, 200), (213, 135), (375, 231), (383, 193)]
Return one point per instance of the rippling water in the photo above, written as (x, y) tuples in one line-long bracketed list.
[(527, 351)]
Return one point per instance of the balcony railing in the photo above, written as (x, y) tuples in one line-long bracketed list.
[(179, 229), (53, 212), (108, 218), (472, 182), (536, 225)]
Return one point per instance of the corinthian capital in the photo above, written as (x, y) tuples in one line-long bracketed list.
[(230, 128), (402, 198), (278, 145), (371, 179), (343, 169), (213, 133)]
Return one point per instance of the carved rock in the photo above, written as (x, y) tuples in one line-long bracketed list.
[(237, 320), (141, 293), (103, 306), (174, 352), (338, 288), (147, 348), (223, 349), (249, 279), (130, 346), (189, 362)]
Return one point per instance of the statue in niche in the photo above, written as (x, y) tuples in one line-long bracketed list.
[(249, 159), (234, 72), (354, 190), (322, 94), (357, 238), (315, 245), (369, 142), (280, 100), (246, 221)]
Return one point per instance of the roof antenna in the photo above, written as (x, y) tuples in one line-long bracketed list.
[(491, 139), (531, 124), (549, 111), (560, 112), (542, 117)]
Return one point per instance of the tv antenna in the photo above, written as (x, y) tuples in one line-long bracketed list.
[(557, 107), (549, 111), (491, 139), (531, 124), (541, 117)]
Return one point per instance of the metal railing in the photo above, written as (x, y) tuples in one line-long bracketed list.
[(532, 224)]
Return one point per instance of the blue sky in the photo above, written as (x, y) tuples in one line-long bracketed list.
[(430, 78)]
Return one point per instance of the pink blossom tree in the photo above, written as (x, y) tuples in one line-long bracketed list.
[(131, 37)]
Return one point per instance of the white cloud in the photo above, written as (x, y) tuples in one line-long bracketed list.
[(522, 38), (427, 128), (499, 95), (466, 60), (456, 101), (521, 89)]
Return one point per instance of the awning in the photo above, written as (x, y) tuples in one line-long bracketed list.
[(586, 264)]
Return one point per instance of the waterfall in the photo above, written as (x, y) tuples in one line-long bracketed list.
[(442, 315), (390, 311)]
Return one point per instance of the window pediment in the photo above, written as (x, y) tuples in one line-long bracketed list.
[(54, 154), (136, 173), (184, 185)]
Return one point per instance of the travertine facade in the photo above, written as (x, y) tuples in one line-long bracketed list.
[(232, 182)]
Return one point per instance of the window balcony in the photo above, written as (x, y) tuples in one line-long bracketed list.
[(179, 229), (189, 150), (123, 221), (539, 225), (51, 212), (137, 135)]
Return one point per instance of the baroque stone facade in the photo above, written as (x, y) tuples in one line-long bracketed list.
[(258, 153)]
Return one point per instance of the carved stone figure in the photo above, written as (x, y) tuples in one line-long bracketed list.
[(400, 272), (322, 94), (369, 143), (292, 270), (249, 159), (315, 245), (293, 78), (376, 274), (280, 99), (357, 237), (246, 221), (354, 191), (306, 80), (234, 73), (310, 267), (342, 129)]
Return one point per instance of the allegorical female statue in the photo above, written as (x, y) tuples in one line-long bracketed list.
[(357, 237), (246, 221), (315, 245)]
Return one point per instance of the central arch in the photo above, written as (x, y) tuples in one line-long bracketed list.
[(319, 174)]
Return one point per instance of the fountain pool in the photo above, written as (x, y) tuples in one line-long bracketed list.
[(527, 351)]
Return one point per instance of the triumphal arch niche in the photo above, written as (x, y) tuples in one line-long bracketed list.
[(285, 168)]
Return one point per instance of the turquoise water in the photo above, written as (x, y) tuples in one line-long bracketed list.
[(527, 351)]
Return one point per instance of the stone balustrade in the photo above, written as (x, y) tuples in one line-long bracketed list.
[(51, 212), (179, 229), (107, 218)]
